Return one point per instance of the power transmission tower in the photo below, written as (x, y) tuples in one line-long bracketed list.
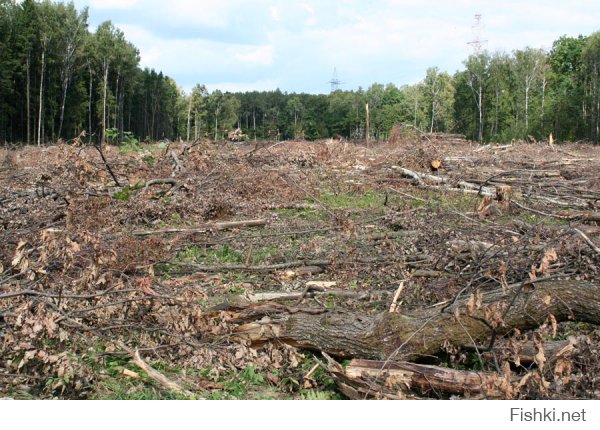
[(477, 27), (335, 81)]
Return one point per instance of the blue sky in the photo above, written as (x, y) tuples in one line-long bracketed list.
[(294, 45)]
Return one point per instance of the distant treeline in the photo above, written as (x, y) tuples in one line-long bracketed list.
[(58, 79)]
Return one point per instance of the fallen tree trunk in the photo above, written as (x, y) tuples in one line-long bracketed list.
[(424, 180), (405, 337), (363, 379)]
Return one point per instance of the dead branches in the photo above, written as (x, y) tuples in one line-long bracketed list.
[(220, 226), (587, 240), (159, 377), (108, 168), (273, 267)]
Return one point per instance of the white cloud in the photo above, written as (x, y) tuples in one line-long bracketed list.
[(197, 57), (256, 56), (311, 20), (275, 13), (295, 44)]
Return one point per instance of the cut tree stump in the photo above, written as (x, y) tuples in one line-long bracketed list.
[(504, 194)]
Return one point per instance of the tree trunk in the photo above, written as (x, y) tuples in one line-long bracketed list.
[(544, 83), (363, 379), (116, 124), (216, 123), (189, 119), (28, 96), (41, 108), (90, 103), (368, 120), (495, 126), (480, 114), (393, 336), (526, 108), (104, 95), (65, 86)]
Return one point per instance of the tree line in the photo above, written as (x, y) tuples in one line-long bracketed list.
[(59, 79)]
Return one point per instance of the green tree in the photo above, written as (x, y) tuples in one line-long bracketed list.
[(566, 88), (591, 58), (476, 79), (295, 110), (528, 66), (439, 93), (72, 31)]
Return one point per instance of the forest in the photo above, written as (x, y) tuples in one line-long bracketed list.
[(59, 78)]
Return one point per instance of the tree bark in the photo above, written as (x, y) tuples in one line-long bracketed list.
[(104, 95), (189, 118), (423, 333), (28, 90), (363, 379), (90, 103), (368, 120), (41, 107)]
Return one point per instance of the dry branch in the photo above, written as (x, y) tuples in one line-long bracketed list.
[(159, 377), (273, 267), (220, 226)]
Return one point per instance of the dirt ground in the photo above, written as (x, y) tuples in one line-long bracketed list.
[(138, 254)]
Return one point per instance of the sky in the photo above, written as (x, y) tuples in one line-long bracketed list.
[(294, 45)]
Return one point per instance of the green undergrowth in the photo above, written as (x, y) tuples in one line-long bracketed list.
[(243, 384), (226, 255), (302, 213), (125, 194)]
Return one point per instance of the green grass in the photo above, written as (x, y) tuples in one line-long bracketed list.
[(220, 255), (113, 385), (123, 389), (248, 383), (357, 201), (226, 255), (534, 219), (125, 194)]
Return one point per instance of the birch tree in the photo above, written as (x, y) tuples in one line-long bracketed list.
[(477, 74)]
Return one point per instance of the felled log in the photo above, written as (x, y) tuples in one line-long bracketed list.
[(424, 332), (438, 182), (363, 379), (240, 302)]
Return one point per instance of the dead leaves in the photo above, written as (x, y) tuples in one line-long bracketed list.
[(550, 256)]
